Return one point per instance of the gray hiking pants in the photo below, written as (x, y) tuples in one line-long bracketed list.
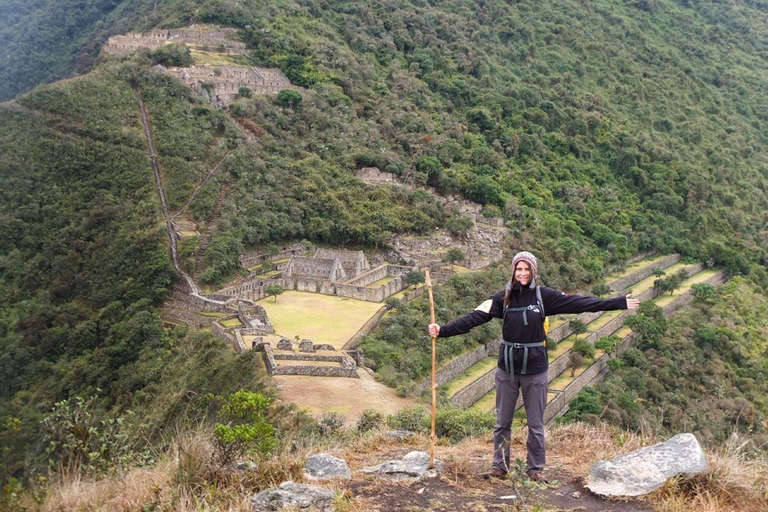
[(534, 389)]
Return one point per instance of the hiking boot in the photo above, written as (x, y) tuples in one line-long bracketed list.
[(495, 473), (538, 476)]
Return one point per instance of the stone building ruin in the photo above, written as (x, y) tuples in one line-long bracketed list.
[(330, 272), (204, 37), (221, 83)]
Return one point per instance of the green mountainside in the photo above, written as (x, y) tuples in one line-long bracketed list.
[(597, 130)]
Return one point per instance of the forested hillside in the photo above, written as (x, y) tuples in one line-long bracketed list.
[(597, 130)]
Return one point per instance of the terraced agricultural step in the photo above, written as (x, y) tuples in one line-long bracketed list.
[(604, 325)]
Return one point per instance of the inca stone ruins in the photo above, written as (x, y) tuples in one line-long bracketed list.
[(344, 273), (203, 37), (221, 83)]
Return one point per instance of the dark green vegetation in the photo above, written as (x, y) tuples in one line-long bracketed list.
[(706, 373), (597, 130), (45, 40), (84, 261)]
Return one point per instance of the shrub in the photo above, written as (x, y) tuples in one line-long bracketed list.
[(408, 419), (330, 424), (457, 424), (585, 348), (245, 430), (369, 420), (289, 97), (608, 344), (459, 225), (574, 362), (80, 442), (601, 289), (175, 54)]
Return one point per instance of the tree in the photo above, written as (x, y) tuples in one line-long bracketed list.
[(414, 278), (453, 255), (289, 97), (173, 55), (601, 290), (649, 324), (658, 272), (244, 92), (574, 362), (578, 327), (585, 348), (704, 292), (274, 289), (459, 225), (608, 344)]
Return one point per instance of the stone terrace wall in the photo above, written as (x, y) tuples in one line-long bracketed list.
[(273, 367), (188, 317), (460, 364), (595, 372), (365, 329), (641, 274), (317, 371), (476, 390)]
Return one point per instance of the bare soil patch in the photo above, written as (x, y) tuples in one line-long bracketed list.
[(462, 487), (346, 397)]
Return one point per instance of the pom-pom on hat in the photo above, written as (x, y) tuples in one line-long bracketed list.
[(528, 258)]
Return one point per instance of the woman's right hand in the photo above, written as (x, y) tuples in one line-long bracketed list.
[(434, 330)]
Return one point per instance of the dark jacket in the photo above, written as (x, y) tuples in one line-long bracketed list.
[(513, 327)]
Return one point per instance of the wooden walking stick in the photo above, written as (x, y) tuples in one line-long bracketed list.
[(432, 436)]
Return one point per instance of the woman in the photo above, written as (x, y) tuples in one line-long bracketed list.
[(523, 362)]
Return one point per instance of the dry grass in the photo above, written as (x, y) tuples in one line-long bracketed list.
[(184, 479)]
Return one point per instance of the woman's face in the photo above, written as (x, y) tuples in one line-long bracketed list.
[(523, 273)]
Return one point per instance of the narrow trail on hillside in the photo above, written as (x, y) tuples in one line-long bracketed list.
[(172, 236), (208, 234), (201, 185)]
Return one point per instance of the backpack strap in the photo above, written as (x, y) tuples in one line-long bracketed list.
[(541, 302)]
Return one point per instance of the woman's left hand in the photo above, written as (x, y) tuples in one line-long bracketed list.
[(632, 303)]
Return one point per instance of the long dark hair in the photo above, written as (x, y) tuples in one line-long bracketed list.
[(514, 284)]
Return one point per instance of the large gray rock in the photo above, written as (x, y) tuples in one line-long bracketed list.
[(284, 344), (322, 466), (294, 496), (646, 469), (413, 467)]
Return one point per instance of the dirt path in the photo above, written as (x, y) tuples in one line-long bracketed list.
[(346, 397), (462, 487)]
